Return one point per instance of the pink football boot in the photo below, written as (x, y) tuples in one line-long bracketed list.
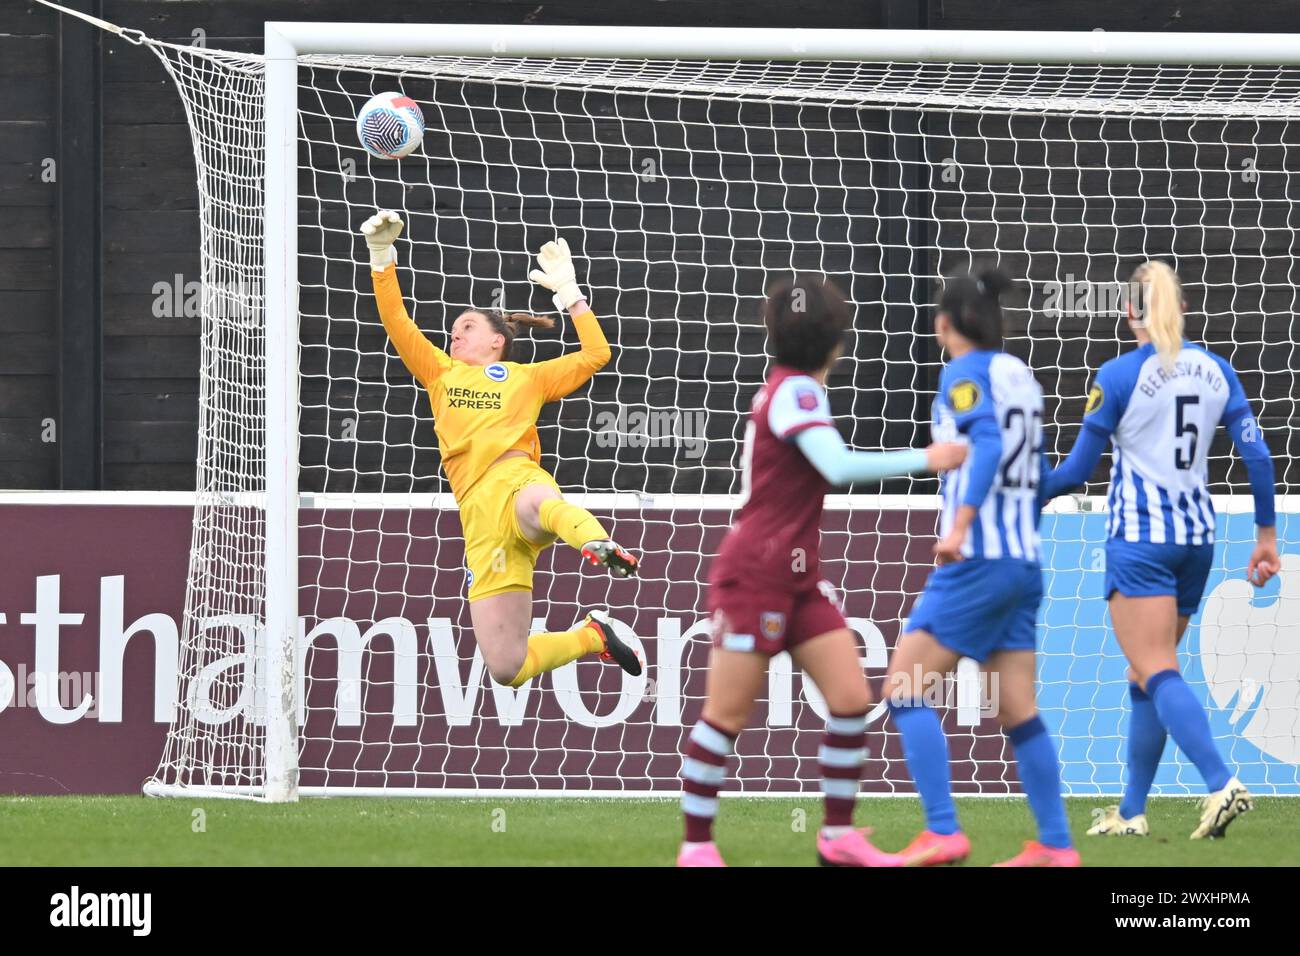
[(699, 854), (1035, 854), (936, 849), (853, 849)]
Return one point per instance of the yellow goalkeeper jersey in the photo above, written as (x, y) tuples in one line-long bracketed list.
[(482, 411)]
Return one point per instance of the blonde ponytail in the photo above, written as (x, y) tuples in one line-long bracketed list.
[(1160, 308)]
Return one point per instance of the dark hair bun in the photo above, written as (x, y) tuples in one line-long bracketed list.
[(971, 303), (994, 282)]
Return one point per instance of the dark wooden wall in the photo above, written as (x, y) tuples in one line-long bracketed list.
[(145, 406), (28, 304)]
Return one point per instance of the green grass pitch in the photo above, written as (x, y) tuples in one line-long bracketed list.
[(98, 831)]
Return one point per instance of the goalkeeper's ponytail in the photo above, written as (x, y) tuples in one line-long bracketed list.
[(508, 324)]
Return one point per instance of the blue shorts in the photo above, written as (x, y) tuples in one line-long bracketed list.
[(1143, 569), (979, 606)]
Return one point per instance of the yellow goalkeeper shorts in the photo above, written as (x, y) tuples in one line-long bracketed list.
[(498, 558)]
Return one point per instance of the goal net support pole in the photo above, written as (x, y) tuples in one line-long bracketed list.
[(1098, 47), (281, 263)]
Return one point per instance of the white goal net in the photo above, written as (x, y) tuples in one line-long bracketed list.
[(685, 188)]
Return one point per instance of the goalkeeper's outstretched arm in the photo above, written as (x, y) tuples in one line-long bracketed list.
[(422, 358), (559, 377)]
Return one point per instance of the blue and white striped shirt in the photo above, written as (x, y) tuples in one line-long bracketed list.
[(1161, 425), (993, 399)]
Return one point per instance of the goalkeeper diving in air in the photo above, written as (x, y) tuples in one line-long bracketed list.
[(485, 410)]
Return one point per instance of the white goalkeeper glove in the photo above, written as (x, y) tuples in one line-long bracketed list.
[(381, 231), (556, 273)]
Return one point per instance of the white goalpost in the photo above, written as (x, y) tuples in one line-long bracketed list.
[(326, 647)]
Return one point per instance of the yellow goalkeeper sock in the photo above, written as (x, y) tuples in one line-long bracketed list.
[(575, 525), (555, 649)]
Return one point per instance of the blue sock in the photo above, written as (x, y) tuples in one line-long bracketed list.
[(1040, 775), (926, 750), (1146, 744), (1184, 718)]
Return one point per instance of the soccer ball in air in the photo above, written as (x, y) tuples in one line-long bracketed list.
[(390, 125)]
